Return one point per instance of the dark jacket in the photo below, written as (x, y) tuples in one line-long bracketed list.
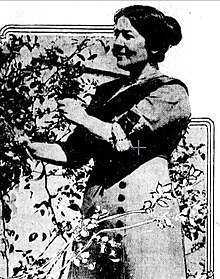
[(153, 112)]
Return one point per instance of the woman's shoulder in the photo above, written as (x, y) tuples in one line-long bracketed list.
[(176, 83), (112, 84), (105, 91), (165, 81)]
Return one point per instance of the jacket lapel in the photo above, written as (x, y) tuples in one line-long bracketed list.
[(107, 104)]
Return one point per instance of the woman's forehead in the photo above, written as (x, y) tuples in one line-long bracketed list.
[(123, 23)]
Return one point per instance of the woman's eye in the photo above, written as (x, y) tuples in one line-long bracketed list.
[(127, 36)]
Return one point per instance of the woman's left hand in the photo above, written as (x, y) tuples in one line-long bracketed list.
[(72, 110)]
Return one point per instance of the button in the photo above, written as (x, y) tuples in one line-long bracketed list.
[(122, 185), (119, 224), (121, 198), (120, 210)]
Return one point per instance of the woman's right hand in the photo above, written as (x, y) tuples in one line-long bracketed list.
[(31, 148), (48, 152), (73, 110)]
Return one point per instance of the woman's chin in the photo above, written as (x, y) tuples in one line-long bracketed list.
[(122, 65)]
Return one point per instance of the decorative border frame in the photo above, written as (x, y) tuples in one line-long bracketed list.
[(93, 30), (210, 181), (56, 29)]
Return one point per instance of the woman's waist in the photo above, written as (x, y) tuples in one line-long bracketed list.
[(135, 191), (107, 173)]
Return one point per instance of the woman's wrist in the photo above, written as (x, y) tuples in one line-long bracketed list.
[(97, 127), (84, 119)]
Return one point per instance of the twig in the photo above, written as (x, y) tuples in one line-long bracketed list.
[(32, 272), (48, 245), (50, 201), (149, 221), (104, 231), (63, 262), (121, 215)]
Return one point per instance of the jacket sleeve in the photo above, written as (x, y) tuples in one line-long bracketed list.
[(159, 119), (166, 105)]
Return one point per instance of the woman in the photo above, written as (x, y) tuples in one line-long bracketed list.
[(147, 109)]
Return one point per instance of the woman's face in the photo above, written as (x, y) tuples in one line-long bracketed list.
[(129, 45)]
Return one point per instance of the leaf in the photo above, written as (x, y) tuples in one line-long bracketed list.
[(192, 170), (78, 64), (59, 50), (192, 180), (81, 57), (101, 42), (195, 235), (33, 236), (42, 212), (167, 188), (197, 173), (62, 214), (78, 196), (43, 173), (162, 203), (168, 222), (28, 252), (147, 204), (168, 196), (159, 189), (28, 38), (10, 232), (38, 205), (93, 56), (200, 146), (27, 186), (35, 39), (16, 237), (202, 156), (44, 236), (74, 207), (6, 212), (17, 269), (11, 248)]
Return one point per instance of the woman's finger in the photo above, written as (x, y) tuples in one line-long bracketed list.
[(61, 103), (67, 102)]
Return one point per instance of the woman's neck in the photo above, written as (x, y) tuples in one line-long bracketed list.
[(142, 70)]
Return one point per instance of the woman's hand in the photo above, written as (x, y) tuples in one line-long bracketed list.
[(48, 152), (24, 140), (72, 110)]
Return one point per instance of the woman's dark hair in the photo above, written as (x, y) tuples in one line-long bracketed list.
[(159, 31)]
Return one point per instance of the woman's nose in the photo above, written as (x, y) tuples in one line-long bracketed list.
[(119, 40)]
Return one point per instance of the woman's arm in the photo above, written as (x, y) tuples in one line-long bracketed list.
[(107, 132), (51, 153), (74, 111), (54, 153)]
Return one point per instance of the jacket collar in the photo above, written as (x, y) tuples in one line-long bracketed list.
[(147, 73)]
